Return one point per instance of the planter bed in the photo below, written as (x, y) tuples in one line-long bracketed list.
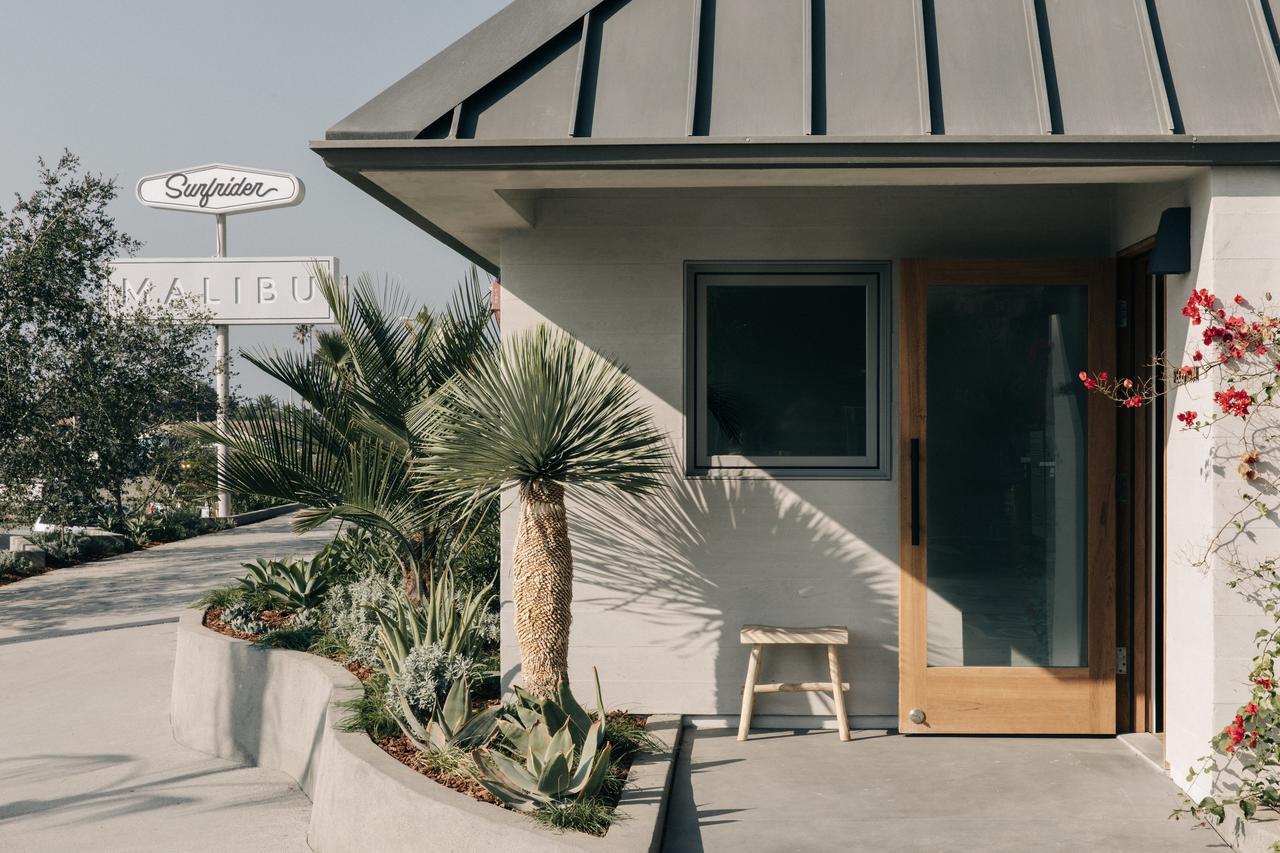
[(281, 709)]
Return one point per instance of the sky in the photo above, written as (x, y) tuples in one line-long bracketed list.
[(136, 87)]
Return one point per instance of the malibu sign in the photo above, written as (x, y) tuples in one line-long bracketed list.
[(234, 291), (220, 189)]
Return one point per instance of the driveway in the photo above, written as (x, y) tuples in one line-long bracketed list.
[(87, 758), (785, 790)]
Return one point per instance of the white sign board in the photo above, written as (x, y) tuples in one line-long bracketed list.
[(236, 291), (216, 188)]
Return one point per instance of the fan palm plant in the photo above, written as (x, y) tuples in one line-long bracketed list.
[(346, 454), (540, 413)]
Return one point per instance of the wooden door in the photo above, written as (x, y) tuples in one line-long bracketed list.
[(1007, 611)]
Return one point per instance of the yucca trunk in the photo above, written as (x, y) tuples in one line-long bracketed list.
[(542, 584)]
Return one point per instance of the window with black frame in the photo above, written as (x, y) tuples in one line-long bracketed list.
[(789, 369)]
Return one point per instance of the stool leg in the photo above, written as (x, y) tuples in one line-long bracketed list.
[(749, 690), (837, 690)]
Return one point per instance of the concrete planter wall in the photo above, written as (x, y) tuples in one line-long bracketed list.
[(278, 709)]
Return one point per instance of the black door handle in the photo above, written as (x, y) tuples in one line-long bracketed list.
[(915, 491)]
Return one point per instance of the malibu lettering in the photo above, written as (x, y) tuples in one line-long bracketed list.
[(178, 185)]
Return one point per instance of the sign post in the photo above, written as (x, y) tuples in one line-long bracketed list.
[(234, 291), (222, 374)]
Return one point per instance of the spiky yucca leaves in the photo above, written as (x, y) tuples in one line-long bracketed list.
[(540, 413), (447, 618), (345, 453)]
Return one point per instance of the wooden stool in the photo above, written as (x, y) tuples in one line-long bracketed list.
[(759, 635)]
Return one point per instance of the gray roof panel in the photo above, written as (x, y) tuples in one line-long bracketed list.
[(648, 41), (870, 65), (534, 100), (989, 68), (1223, 65), (756, 53), (663, 70), (422, 96), (1106, 67)]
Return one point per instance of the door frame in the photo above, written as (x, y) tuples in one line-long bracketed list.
[(1140, 565), (1005, 700)]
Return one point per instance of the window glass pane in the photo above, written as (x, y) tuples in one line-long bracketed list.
[(786, 370), (1007, 464)]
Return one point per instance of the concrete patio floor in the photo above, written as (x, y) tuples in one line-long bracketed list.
[(789, 790)]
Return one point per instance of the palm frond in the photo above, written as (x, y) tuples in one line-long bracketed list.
[(347, 454), (541, 408)]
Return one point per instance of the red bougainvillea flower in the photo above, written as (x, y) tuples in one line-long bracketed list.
[(1251, 709), (1234, 401), (1199, 300), (1102, 377), (1236, 732), (1264, 683), (1239, 300), (1088, 383), (1133, 402), (1199, 356), (1188, 417)]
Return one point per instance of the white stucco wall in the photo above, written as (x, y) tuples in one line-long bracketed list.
[(663, 587), (1235, 249)]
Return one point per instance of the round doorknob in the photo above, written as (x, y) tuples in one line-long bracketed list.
[(916, 715)]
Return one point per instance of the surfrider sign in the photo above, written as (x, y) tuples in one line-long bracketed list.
[(217, 188), (235, 291)]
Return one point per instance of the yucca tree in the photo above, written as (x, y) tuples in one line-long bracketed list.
[(541, 413), (346, 455)]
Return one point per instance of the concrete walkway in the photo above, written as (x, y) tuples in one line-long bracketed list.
[(804, 791), (87, 759)]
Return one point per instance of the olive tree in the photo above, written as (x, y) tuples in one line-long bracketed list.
[(85, 390)]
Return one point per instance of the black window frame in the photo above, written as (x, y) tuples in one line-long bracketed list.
[(878, 463)]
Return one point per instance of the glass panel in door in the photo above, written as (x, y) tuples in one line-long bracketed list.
[(1006, 501)]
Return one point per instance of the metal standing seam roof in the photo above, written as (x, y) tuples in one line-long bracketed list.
[(672, 71)]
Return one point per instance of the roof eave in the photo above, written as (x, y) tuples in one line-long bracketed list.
[(793, 152)]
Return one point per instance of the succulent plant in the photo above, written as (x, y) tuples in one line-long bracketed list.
[(453, 725), (552, 751), (242, 617), (428, 673), (297, 585)]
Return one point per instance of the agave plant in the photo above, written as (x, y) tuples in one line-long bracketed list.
[(540, 413), (447, 618), (454, 725), (553, 752), (346, 453), (298, 585)]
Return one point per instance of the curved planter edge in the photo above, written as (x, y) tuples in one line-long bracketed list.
[(279, 709)]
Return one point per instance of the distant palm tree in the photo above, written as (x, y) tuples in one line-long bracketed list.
[(540, 413), (346, 454), (302, 334)]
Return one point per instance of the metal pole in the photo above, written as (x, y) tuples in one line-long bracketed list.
[(222, 373)]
